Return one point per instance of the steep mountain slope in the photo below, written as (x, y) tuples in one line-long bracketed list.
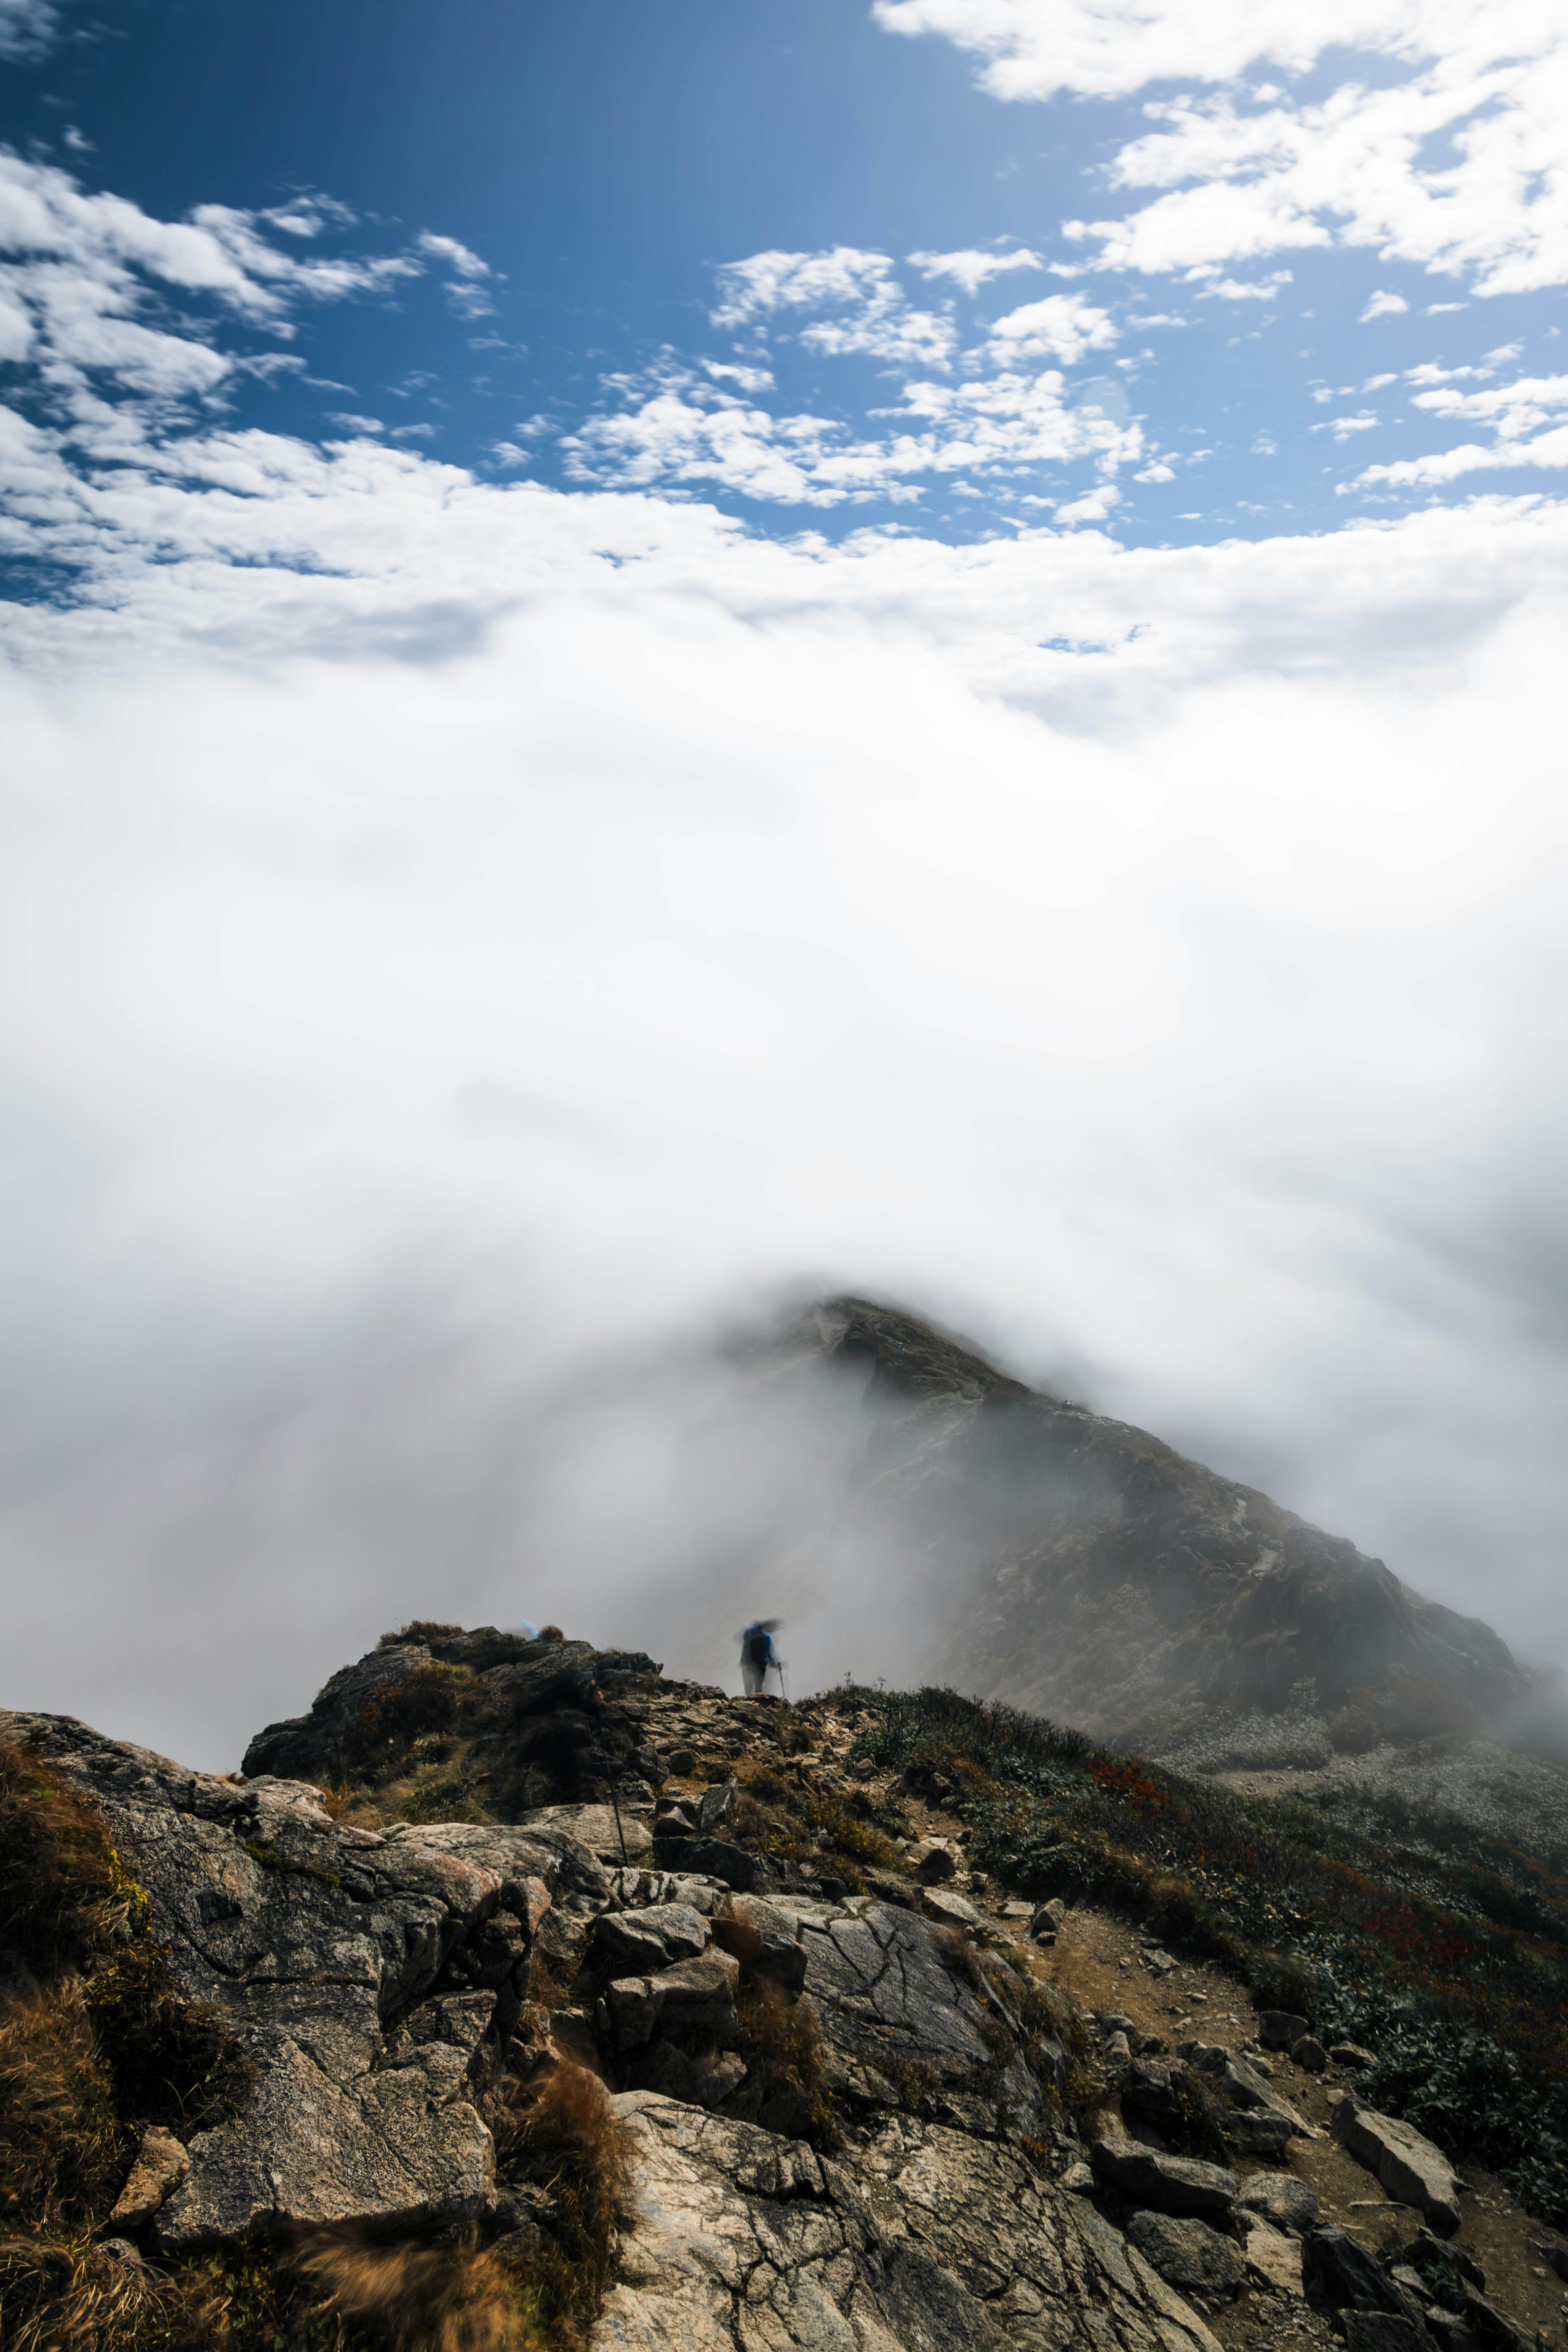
[(1081, 1568)]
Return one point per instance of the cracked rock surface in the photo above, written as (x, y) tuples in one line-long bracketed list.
[(926, 2240), (370, 1979)]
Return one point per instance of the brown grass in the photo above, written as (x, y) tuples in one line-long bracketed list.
[(69, 2295), (61, 2147), (420, 2298), (566, 2135), (779, 2037), (95, 2043), (59, 1887)]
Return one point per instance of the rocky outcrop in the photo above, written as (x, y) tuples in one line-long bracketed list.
[(373, 1982), (381, 1981)]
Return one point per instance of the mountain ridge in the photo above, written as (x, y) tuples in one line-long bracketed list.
[(1103, 1576)]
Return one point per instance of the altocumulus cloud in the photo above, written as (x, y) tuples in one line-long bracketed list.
[(455, 936)]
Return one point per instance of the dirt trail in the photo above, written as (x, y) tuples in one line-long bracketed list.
[(1099, 1960)]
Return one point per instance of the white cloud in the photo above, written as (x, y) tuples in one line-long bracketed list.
[(465, 288), (1521, 416), (674, 429), (865, 305), (744, 379), (1062, 327), (28, 27), (1238, 289), (352, 423), (1382, 306), (973, 270), (1343, 428), (1094, 505), (1447, 154), (87, 288), (456, 256)]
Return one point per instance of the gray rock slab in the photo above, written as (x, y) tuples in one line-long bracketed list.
[(926, 2241), (940, 1903), (638, 1943), (889, 1991), (1407, 2164), (694, 1998), (780, 1953), (1273, 2258), (1385, 2331), (594, 1827), (1188, 2253), (1282, 2200), (527, 1866), (1340, 2272), (1171, 2184)]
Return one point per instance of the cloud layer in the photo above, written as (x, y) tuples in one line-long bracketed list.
[(460, 937), (464, 936)]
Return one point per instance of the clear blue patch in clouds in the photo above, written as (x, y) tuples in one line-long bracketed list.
[(783, 259)]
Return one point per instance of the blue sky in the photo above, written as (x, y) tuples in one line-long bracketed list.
[(654, 653), (1351, 287)]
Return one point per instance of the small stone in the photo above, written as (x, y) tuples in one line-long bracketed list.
[(940, 1903), (1350, 2054), (1281, 2198), (1188, 2253), (934, 1863), (1278, 2029), (1309, 2054), (1258, 2132), (716, 1802), (1273, 2260), (161, 2163)]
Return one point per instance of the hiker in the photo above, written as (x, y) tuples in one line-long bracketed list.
[(758, 1656)]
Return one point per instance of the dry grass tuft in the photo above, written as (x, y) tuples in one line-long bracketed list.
[(95, 2043), (420, 2298), (70, 2295), (59, 1887), (61, 2148), (565, 2135)]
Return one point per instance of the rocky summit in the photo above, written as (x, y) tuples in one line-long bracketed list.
[(518, 1996)]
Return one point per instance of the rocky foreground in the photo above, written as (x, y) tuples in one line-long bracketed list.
[(874, 2116)]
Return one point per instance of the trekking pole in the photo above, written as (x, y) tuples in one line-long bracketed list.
[(614, 1808)]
